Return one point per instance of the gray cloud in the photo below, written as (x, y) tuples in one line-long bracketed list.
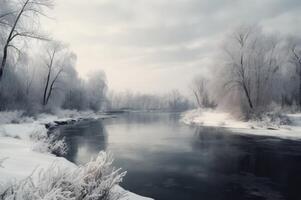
[(151, 34)]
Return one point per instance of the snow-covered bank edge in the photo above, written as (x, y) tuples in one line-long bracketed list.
[(19, 155), (214, 118)]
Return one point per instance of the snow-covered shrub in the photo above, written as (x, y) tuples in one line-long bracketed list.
[(94, 181), (272, 119), (271, 116), (11, 117), (51, 143), (57, 146)]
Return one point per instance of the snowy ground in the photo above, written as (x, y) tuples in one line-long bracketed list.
[(18, 158), (216, 118)]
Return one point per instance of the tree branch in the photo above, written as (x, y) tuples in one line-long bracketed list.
[(14, 47)]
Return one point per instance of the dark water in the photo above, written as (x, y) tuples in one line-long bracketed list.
[(171, 161)]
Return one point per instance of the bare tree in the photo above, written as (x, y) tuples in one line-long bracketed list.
[(97, 89), (197, 89), (176, 101), (263, 66), (255, 68), (239, 71), (201, 94), (296, 60), (54, 70), (17, 28)]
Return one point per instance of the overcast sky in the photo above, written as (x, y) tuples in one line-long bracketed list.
[(158, 45)]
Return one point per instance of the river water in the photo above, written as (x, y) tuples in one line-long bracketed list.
[(168, 160)]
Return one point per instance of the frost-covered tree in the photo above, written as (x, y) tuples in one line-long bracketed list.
[(96, 90), (252, 67), (201, 94), (295, 59), (238, 64), (15, 29), (56, 61), (44, 76)]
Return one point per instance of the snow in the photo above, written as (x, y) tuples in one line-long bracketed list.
[(66, 115), (129, 195), (21, 160), (212, 118), (18, 159), (215, 118), (22, 131)]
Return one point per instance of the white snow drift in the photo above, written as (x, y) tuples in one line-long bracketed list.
[(215, 118), (29, 171)]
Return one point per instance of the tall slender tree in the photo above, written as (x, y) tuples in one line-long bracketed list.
[(54, 69), (296, 60), (17, 28)]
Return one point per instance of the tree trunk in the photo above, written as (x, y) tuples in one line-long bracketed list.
[(48, 77), (248, 96), (46, 87), (49, 92), (51, 86), (3, 61), (300, 84), (197, 99)]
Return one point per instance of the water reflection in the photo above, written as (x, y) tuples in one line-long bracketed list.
[(168, 160), (261, 167), (84, 140)]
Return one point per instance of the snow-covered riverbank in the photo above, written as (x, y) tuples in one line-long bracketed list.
[(214, 118), (21, 155)]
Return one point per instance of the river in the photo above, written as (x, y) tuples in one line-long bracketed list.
[(168, 160)]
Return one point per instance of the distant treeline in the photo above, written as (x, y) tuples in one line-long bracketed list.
[(172, 101)]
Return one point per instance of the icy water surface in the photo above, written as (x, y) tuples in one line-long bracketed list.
[(168, 160)]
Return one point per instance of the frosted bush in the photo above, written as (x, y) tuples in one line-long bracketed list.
[(57, 147), (51, 143), (273, 119), (94, 181)]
